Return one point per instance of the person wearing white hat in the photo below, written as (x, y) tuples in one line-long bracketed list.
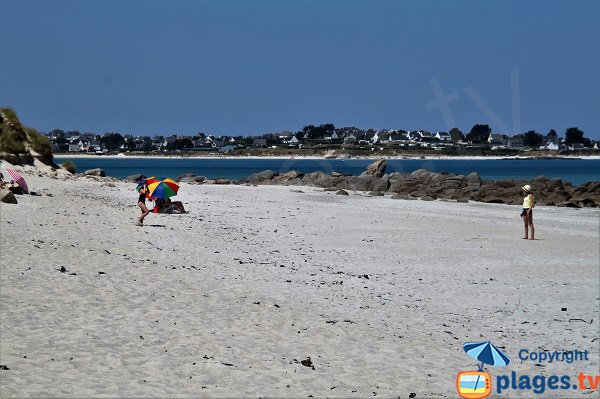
[(527, 214)]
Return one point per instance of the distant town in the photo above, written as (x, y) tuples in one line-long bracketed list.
[(325, 137)]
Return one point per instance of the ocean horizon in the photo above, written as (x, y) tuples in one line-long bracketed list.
[(575, 171)]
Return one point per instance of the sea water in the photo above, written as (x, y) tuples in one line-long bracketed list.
[(576, 171)]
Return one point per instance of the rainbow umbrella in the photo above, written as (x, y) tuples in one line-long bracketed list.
[(147, 181), (163, 189)]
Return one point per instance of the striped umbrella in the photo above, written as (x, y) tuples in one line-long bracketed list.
[(487, 353), (18, 179), (163, 189)]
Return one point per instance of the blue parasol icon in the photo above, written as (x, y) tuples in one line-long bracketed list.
[(487, 353)]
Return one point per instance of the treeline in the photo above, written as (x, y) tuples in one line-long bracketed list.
[(481, 133)]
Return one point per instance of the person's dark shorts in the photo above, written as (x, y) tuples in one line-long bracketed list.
[(524, 211)]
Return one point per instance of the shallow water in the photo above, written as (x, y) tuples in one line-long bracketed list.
[(576, 171)]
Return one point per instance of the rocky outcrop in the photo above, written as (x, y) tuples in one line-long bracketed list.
[(429, 186), (7, 197), (260, 177), (95, 172), (134, 178), (191, 179), (376, 169)]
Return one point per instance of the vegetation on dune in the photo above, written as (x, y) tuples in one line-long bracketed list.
[(16, 140), (40, 144), (10, 142), (70, 166)]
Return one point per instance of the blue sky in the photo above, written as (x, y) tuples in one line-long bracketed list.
[(253, 67)]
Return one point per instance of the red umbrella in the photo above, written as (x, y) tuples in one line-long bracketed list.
[(18, 179)]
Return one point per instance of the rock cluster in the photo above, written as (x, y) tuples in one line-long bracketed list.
[(425, 185)]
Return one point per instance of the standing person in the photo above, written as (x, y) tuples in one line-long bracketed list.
[(142, 205), (527, 214)]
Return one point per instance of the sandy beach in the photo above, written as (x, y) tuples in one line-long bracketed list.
[(229, 299)]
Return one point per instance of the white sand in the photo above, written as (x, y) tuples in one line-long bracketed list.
[(230, 296)]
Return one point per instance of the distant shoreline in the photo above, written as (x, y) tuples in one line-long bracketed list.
[(308, 157)]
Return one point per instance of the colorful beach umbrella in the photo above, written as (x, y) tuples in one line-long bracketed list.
[(163, 189), (18, 179), (487, 353), (147, 181)]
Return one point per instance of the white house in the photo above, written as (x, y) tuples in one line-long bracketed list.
[(74, 147), (375, 139), (498, 140), (443, 136), (419, 135)]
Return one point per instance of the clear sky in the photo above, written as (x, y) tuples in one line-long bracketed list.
[(253, 67)]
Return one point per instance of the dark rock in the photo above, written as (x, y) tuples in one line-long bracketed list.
[(261, 177), (377, 168), (592, 186), (569, 204), (7, 197), (222, 181), (555, 184), (586, 201), (493, 200), (192, 179), (452, 184), (405, 184), (376, 194), (310, 178), (308, 363), (359, 183), (330, 182), (184, 176), (473, 178), (556, 197), (427, 198), (95, 172), (542, 179), (421, 173), (292, 174), (342, 192), (382, 184), (134, 178), (403, 197), (506, 183)]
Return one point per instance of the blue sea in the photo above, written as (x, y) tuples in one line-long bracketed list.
[(576, 171)]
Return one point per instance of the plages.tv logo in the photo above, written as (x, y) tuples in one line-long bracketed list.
[(478, 384)]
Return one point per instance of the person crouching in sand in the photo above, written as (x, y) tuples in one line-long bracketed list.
[(527, 214), (142, 205)]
